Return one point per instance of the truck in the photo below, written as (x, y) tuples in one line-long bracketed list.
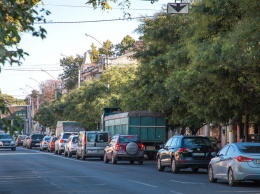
[(68, 126), (150, 127)]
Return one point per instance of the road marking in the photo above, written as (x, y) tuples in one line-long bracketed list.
[(187, 182), (175, 192), (237, 192), (143, 183)]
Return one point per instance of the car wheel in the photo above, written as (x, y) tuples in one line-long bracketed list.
[(13, 149), (48, 150), (211, 175), (82, 156), (69, 154), (55, 152), (140, 162), (59, 152), (231, 179), (132, 161), (65, 153), (77, 156), (175, 169), (105, 158), (159, 165), (113, 160), (194, 170)]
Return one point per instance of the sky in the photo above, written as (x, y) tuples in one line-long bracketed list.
[(69, 39)]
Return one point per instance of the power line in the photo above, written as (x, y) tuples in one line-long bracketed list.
[(30, 69), (95, 21), (89, 7)]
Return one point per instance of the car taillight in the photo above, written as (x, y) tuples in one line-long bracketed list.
[(85, 141), (61, 140), (183, 150), (117, 146), (44, 142), (243, 159), (141, 146)]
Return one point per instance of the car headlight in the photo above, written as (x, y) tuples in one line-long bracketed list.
[(12, 142)]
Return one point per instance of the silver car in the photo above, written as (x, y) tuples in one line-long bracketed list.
[(236, 162), (44, 143), (71, 146)]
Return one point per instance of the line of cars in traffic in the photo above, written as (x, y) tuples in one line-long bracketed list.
[(235, 162)]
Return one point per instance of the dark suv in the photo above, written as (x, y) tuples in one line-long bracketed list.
[(185, 152), (124, 147), (34, 140)]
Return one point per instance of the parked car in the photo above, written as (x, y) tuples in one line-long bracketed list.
[(71, 146), (215, 143), (7, 141), (124, 147), (60, 142), (34, 140), (182, 151), (92, 144), (19, 140), (51, 144), (44, 143), (25, 141), (236, 162)]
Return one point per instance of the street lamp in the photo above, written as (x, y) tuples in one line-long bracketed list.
[(106, 63), (56, 89), (41, 88)]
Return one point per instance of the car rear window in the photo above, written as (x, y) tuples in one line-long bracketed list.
[(196, 141), (249, 148), (128, 139), (37, 136), (47, 138), (75, 139), (22, 137), (102, 137)]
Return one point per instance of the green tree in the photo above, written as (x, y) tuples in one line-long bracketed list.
[(70, 73), (17, 16), (127, 43), (94, 54), (45, 116)]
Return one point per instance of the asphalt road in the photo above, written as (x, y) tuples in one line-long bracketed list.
[(33, 172)]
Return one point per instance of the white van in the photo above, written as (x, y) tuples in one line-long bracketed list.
[(92, 144)]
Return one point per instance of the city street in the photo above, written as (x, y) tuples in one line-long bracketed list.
[(27, 171)]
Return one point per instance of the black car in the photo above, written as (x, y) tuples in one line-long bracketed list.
[(185, 152), (34, 140)]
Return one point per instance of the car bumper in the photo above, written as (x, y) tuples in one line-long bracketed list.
[(244, 172), (184, 163), (125, 156)]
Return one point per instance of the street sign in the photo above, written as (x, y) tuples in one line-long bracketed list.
[(178, 8)]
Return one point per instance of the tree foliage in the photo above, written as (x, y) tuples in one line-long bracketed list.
[(16, 17), (196, 69), (70, 73)]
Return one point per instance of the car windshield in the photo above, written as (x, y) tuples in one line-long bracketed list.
[(196, 141), (5, 136), (249, 148), (128, 139)]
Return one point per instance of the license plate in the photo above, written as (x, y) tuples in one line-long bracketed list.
[(37, 144), (198, 154), (92, 151), (121, 152), (258, 161), (6, 144)]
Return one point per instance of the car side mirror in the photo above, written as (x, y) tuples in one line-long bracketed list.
[(161, 146)]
